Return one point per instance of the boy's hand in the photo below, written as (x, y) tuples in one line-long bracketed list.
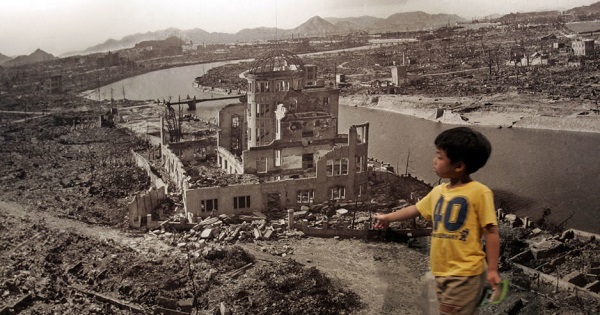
[(493, 278), (380, 221)]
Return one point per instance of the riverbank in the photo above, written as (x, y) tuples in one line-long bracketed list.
[(502, 111)]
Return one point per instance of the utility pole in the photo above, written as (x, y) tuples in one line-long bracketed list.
[(407, 159)]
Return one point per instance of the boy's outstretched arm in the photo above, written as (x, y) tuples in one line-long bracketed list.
[(405, 213), (492, 248)]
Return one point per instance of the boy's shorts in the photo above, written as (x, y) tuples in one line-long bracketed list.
[(459, 295)]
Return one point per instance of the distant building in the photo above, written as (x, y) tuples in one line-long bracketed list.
[(110, 60), (53, 84), (583, 47), (310, 75), (399, 75), (287, 135), (535, 59)]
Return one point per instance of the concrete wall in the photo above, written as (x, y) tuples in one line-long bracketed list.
[(142, 162), (291, 156), (332, 96), (322, 127), (258, 193), (225, 196), (174, 168), (140, 209), (229, 162), (226, 130)]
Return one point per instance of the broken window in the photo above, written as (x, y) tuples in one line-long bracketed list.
[(344, 166), (280, 86), (241, 202), (359, 163), (338, 192), (340, 167), (329, 168), (235, 121), (261, 165), (337, 167), (307, 161), (306, 196), (235, 145), (209, 205), (361, 134), (264, 87)]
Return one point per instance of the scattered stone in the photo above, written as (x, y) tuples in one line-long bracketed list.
[(206, 233)]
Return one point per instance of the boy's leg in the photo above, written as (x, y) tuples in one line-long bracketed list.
[(459, 295)]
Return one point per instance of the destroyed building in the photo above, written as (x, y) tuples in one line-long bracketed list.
[(286, 134)]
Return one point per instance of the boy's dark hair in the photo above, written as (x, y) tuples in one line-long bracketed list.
[(463, 144)]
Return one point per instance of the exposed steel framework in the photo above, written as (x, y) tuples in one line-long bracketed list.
[(277, 60)]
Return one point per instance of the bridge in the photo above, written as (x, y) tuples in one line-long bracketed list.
[(191, 102)]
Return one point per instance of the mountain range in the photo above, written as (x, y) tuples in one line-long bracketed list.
[(315, 26)]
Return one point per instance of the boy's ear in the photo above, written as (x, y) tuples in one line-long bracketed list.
[(460, 166)]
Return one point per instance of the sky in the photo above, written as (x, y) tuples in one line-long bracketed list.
[(62, 26)]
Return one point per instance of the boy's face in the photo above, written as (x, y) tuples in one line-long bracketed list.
[(443, 167)]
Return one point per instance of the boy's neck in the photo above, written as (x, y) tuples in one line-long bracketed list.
[(459, 180)]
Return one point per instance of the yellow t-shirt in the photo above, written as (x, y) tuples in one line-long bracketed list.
[(458, 215)]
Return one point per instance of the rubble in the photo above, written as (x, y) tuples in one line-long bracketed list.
[(69, 274)]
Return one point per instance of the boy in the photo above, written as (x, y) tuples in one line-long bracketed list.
[(461, 211)]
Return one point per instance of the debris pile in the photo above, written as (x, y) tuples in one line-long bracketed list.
[(60, 164), (47, 269)]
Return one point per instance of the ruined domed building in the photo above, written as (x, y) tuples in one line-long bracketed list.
[(287, 135)]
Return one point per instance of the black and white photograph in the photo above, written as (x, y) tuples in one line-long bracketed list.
[(299, 157)]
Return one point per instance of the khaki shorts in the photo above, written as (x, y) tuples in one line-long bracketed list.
[(459, 295)]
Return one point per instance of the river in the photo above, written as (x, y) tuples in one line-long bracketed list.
[(529, 169)]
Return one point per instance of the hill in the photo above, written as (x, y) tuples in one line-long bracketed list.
[(130, 40), (364, 22), (4, 58), (591, 9), (416, 21), (315, 26), (35, 57)]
